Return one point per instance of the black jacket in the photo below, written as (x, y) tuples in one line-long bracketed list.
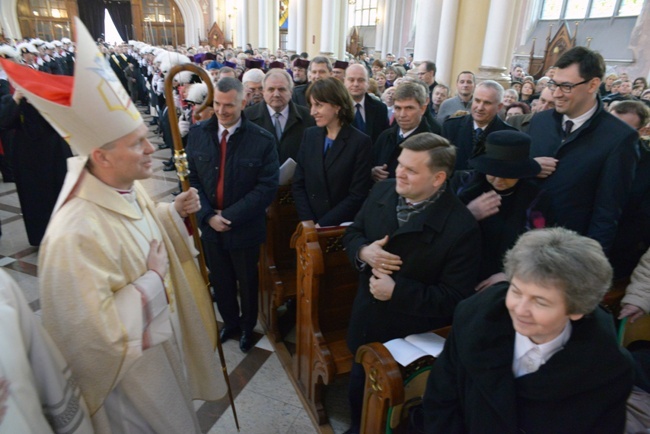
[(376, 117), (582, 389), (460, 132), (386, 149), (440, 253), (250, 184), (594, 174), (331, 190), (299, 120)]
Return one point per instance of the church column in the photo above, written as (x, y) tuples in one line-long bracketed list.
[(300, 23), (445, 54), (292, 33), (327, 28), (496, 42), (379, 29), (263, 17), (342, 30), (428, 24), (242, 29)]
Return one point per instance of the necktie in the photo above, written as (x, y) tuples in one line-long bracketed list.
[(400, 138), (222, 169), (359, 123), (568, 125), (478, 131), (531, 361), (278, 125)]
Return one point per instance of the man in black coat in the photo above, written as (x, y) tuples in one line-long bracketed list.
[(278, 107), (320, 67), (371, 116), (468, 133), (417, 249), (587, 171), (234, 165), (409, 110)]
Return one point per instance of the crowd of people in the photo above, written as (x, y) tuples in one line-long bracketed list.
[(506, 211)]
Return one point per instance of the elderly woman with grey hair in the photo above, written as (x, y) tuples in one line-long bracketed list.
[(535, 354)]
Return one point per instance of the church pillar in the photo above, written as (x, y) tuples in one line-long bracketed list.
[(446, 41), (342, 30), (427, 25), (379, 29), (327, 28), (300, 23), (263, 17), (242, 25), (496, 43), (292, 31)]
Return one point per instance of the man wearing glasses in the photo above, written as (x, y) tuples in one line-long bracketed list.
[(588, 157)]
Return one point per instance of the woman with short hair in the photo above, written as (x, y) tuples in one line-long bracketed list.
[(535, 354)]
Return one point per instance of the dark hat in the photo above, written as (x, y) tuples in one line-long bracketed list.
[(230, 64), (254, 63), (276, 64), (506, 156), (301, 63), (210, 56), (340, 64)]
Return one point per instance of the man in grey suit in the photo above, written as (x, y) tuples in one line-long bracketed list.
[(279, 115)]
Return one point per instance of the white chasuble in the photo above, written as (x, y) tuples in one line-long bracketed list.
[(91, 255)]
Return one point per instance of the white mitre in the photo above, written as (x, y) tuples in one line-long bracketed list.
[(89, 109)]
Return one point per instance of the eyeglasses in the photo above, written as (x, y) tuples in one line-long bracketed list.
[(564, 87)]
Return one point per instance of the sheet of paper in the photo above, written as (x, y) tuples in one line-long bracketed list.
[(286, 171), (403, 352), (430, 343)]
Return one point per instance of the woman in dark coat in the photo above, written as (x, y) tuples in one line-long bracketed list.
[(537, 354), (502, 199), (332, 177)]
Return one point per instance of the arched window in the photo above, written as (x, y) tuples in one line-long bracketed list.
[(585, 9), (46, 19)]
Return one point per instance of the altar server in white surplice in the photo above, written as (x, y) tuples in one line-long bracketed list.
[(37, 393), (120, 292)]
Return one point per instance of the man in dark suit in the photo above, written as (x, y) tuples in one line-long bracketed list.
[(234, 165), (278, 107), (416, 247), (371, 116), (468, 132), (427, 73), (409, 108), (588, 156)]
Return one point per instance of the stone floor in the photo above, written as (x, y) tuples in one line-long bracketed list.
[(265, 398)]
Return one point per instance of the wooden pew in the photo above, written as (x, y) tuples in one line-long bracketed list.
[(390, 388), (327, 284), (277, 261)]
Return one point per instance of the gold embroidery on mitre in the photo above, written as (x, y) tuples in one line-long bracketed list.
[(111, 90)]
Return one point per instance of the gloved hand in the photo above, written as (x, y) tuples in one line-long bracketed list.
[(183, 126)]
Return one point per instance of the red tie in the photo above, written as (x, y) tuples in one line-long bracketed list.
[(222, 169)]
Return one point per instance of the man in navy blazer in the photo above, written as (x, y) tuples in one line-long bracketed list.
[(371, 116), (468, 133), (278, 107), (416, 247), (588, 156), (234, 165)]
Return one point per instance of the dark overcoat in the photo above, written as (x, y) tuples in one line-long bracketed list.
[(250, 183), (593, 178), (582, 389), (299, 119), (440, 249)]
